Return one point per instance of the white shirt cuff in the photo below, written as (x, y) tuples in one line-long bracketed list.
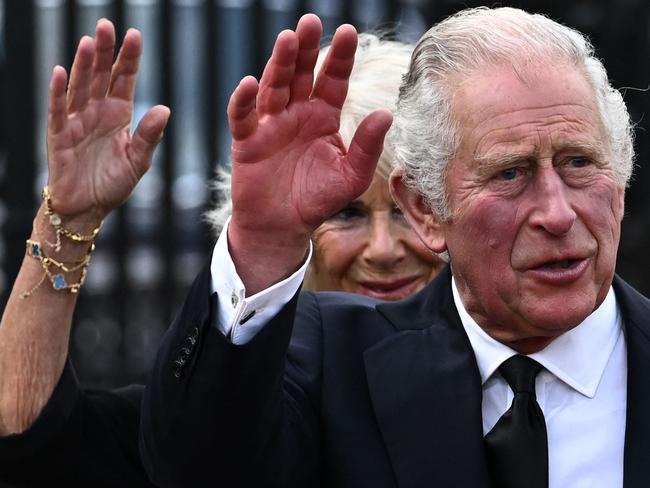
[(239, 316)]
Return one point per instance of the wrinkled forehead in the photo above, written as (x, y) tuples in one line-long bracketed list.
[(505, 83), (511, 98)]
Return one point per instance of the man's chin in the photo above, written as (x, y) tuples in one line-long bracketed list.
[(542, 323), (556, 318), (549, 308)]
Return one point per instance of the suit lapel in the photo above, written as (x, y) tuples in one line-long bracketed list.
[(424, 381), (635, 310)]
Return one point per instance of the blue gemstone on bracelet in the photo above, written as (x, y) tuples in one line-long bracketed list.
[(36, 250), (58, 282)]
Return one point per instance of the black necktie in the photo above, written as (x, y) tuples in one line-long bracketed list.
[(517, 446)]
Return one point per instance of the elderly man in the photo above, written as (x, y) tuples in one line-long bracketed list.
[(522, 365)]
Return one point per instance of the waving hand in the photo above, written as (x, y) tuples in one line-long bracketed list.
[(94, 161), (291, 170)]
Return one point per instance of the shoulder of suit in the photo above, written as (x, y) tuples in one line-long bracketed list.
[(326, 299)]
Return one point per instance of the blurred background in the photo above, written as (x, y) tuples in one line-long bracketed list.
[(195, 53)]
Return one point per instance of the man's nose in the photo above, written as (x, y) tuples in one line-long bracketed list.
[(384, 247), (551, 200)]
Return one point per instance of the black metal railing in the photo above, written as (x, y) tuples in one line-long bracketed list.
[(195, 53)]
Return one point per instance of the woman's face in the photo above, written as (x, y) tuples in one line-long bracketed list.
[(370, 249)]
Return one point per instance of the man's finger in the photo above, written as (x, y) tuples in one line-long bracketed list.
[(309, 32), (81, 74), (147, 136), (104, 48), (242, 117), (331, 83), (125, 69), (367, 145), (275, 84)]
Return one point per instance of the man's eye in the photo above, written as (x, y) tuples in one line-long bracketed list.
[(579, 162), (509, 174)]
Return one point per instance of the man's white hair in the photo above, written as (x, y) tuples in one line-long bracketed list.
[(425, 131)]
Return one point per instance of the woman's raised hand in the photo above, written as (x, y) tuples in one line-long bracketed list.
[(94, 160)]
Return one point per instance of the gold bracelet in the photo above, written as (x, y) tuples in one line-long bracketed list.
[(56, 222), (58, 281)]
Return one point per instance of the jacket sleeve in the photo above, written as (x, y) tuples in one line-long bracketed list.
[(241, 415), (80, 438)]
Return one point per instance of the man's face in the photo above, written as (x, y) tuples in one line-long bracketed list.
[(535, 207)]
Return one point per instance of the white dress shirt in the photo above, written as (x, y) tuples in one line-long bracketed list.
[(582, 390), (240, 316)]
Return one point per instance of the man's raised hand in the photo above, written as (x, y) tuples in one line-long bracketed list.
[(291, 170)]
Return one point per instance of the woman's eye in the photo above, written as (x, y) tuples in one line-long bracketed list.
[(348, 213), (397, 213)]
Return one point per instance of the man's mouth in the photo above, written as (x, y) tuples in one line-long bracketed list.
[(563, 264), (559, 271)]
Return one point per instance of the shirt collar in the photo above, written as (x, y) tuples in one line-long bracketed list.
[(577, 357)]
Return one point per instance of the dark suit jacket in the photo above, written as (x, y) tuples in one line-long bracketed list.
[(355, 394), (82, 438)]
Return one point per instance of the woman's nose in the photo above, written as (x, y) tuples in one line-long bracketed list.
[(384, 247)]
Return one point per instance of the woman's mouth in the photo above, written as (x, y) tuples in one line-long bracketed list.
[(390, 289)]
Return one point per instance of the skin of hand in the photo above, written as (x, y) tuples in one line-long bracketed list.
[(94, 164), (290, 168)]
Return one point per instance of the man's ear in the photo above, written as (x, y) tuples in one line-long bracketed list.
[(621, 201), (425, 222)]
